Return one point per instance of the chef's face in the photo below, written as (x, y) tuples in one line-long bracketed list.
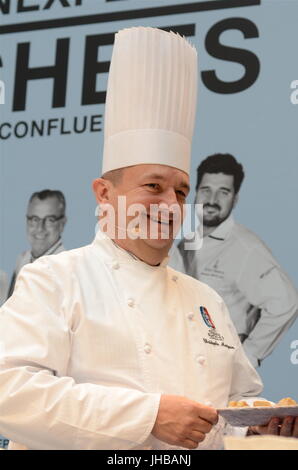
[(45, 223), (152, 187), (216, 193)]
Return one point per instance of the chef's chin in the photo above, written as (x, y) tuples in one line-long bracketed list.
[(214, 220), (159, 243), (38, 248)]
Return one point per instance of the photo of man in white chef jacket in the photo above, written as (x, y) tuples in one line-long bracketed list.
[(105, 346), (261, 299), (45, 222)]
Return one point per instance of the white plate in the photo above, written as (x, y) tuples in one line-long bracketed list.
[(257, 415)]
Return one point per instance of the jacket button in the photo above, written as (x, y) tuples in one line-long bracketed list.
[(116, 265), (190, 315), (131, 302), (147, 348), (201, 360), (175, 278)]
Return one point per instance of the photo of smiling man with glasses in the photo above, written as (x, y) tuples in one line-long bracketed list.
[(45, 223)]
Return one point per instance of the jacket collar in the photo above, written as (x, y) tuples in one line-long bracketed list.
[(115, 252), (52, 250), (223, 230)]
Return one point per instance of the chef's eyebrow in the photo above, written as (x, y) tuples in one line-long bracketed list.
[(156, 176), (221, 187), (226, 189)]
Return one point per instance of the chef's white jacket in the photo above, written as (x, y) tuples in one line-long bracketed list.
[(92, 337), (27, 257), (3, 286), (261, 299)]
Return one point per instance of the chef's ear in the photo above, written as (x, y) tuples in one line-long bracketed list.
[(101, 188), (236, 198)]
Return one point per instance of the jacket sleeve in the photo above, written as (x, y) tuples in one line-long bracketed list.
[(3, 287), (40, 406), (267, 287), (246, 383)]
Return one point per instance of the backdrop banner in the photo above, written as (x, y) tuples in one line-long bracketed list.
[(54, 63)]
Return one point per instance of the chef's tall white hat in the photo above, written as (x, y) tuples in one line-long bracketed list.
[(151, 100)]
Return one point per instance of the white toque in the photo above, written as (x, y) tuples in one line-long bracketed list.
[(151, 100)]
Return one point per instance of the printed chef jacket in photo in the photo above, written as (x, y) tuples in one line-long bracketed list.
[(92, 337)]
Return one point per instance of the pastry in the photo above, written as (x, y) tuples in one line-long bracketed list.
[(237, 404), (287, 402), (262, 403)]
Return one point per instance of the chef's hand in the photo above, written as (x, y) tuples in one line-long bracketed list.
[(287, 427), (183, 422)]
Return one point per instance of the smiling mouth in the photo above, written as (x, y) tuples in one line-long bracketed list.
[(211, 208), (159, 221)]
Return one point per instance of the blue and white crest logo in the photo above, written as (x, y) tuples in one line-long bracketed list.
[(206, 317)]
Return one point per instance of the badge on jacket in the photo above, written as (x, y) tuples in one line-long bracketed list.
[(206, 317)]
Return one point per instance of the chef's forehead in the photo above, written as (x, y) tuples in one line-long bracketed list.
[(50, 204), (157, 172)]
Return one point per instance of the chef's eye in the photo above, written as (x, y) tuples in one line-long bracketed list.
[(181, 193), (224, 192), (152, 185)]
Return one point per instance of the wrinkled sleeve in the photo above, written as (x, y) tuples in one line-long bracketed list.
[(267, 287), (40, 406), (246, 382)]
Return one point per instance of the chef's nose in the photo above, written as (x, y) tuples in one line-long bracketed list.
[(212, 199), (170, 207), (169, 197), (41, 226)]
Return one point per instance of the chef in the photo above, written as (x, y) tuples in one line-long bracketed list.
[(105, 347), (262, 301), (45, 221)]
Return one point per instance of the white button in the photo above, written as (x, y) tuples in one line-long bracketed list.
[(131, 302), (116, 265), (201, 360), (190, 315), (175, 278), (147, 348)]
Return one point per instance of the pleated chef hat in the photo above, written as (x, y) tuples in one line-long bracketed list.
[(151, 100)]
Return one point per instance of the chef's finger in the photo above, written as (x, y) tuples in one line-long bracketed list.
[(189, 444), (207, 413), (197, 436), (286, 428), (274, 426), (295, 428), (203, 426), (253, 430), (271, 428)]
